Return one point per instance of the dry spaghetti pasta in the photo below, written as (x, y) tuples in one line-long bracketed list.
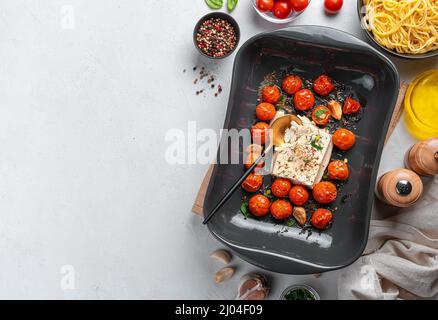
[(406, 26)]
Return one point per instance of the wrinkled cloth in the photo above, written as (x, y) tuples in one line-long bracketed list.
[(401, 257)]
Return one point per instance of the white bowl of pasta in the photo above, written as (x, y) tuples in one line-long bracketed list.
[(403, 28)]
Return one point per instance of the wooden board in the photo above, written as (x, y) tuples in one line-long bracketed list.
[(398, 110)]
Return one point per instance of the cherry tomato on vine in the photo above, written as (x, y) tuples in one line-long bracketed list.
[(343, 139)]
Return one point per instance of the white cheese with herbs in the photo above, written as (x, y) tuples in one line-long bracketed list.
[(302, 157)]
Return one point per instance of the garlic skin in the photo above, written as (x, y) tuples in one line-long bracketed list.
[(223, 274), (252, 286), (222, 256)]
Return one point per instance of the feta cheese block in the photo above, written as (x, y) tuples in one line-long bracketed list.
[(304, 155)]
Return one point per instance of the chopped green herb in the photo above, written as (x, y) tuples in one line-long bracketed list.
[(281, 103), (244, 208), (291, 223), (268, 194), (299, 294), (315, 144), (320, 113)]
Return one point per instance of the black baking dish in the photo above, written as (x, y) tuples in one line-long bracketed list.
[(313, 50)]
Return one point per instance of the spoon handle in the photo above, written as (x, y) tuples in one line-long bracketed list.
[(234, 187)]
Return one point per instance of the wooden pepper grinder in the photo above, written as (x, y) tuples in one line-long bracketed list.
[(399, 188), (423, 157)]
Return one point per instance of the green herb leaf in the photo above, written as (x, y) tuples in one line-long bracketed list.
[(231, 4), (268, 194), (320, 113), (291, 223), (315, 145), (244, 208), (214, 4)]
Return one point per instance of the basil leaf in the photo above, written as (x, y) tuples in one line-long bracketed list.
[(320, 113), (244, 208), (316, 146), (214, 4), (231, 4)]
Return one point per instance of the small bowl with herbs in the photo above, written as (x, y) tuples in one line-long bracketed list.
[(300, 292), (216, 35)]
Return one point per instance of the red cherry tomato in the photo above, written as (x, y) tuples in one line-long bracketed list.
[(299, 5), (259, 205), (333, 6), (265, 111), (325, 192), (282, 9), (292, 84), (350, 106), (281, 209), (265, 5), (304, 100), (343, 139), (251, 158), (323, 85), (281, 187), (271, 94), (259, 131), (252, 183), (321, 218), (298, 195), (338, 170), (321, 115)]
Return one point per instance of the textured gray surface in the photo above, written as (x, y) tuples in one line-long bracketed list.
[(83, 180)]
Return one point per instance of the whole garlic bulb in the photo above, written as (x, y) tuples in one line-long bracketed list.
[(252, 286)]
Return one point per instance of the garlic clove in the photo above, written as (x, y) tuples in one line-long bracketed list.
[(300, 215), (223, 274), (253, 287), (221, 255), (335, 109)]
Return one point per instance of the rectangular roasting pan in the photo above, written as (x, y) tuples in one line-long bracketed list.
[(313, 50)]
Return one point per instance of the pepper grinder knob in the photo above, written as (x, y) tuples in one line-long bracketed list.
[(403, 187)]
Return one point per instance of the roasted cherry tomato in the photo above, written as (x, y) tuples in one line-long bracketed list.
[(298, 195), (321, 115), (338, 170), (323, 85), (350, 106), (265, 5), (271, 94), (254, 148), (304, 99), (252, 183), (333, 6), (251, 158), (321, 218), (282, 9), (259, 131), (292, 84), (281, 187), (281, 209), (343, 139), (265, 111), (299, 5), (324, 192), (259, 205)]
